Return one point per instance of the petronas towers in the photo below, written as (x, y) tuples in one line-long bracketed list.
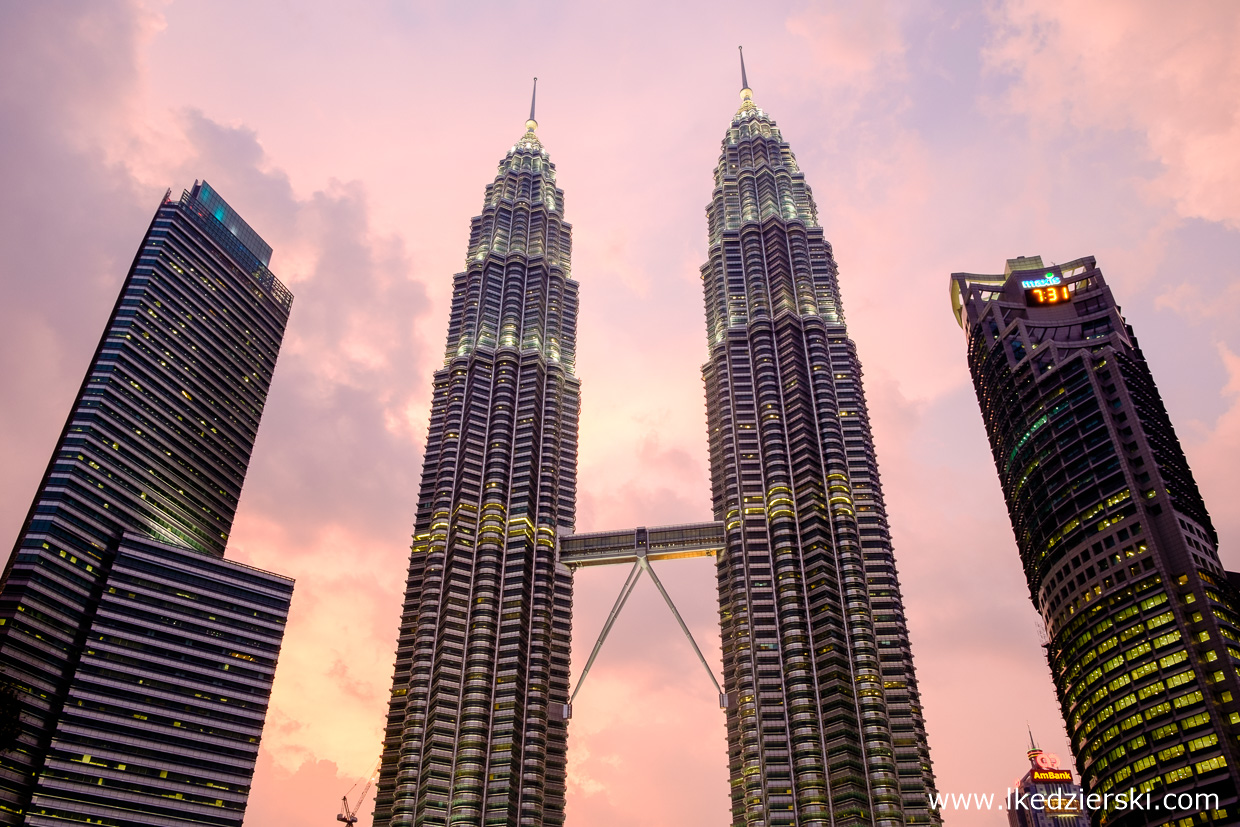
[(824, 724), (482, 657), (828, 726)]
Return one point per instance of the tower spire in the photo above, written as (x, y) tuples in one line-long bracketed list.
[(746, 92), (532, 124)]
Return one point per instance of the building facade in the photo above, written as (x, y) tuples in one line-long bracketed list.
[(476, 731), (824, 719), (164, 713), (132, 515), (1118, 549)]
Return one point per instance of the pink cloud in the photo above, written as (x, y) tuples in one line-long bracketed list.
[(1172, 78), (359, 146)]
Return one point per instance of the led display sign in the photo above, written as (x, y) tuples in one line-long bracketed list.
[(1049, 289)]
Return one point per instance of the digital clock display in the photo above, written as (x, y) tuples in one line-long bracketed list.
[(1049, 289), (1048, 295)]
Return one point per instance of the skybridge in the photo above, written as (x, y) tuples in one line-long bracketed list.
[(641, 546)]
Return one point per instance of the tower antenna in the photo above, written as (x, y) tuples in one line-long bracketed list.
[(532, 124), (744, 79)]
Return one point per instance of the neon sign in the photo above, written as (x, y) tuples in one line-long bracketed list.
[(1046, 768), (1052, 775), (1049, 280)]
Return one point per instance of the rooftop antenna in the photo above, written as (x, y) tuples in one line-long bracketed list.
[(746, 92), (532, 124)]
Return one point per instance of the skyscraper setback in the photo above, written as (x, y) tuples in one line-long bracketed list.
[(144, 660), (826, 725), (1118, 548)]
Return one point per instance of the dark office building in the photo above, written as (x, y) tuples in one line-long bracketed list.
[(476, 731), (825, 724), (143, 660), (1117, 546)]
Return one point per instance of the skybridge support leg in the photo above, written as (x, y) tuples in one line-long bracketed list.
[(635, 574), (645, 564)]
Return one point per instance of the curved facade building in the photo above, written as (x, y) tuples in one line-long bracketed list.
[(476, 731), (1118, 548), (824, 720)]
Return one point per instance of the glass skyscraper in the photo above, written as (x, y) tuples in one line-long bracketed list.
[(824, 719), (144, 660), (1117, 546), (476, 731)]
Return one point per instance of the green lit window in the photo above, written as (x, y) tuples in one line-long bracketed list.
[(1159, 620), (1211, 764), (1167, 639), (1180, 679), (1188, 699), (1150, 602), (1173, 659), (1202, 742), (1174, 751), (1153, 689)]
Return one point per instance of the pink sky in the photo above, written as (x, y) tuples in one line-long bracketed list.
[(358, 144)]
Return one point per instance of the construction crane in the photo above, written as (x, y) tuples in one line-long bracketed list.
[(348, 814)]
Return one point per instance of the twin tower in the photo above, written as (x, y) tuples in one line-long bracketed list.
[(824, 721)]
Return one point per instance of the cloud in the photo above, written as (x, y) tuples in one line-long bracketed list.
[(852, 41), (359, 147), (63, 74), (333, 477), (1174, 79), (309, 794), (1214, 451), (330, 491)]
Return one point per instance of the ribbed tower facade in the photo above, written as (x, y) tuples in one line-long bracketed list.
[(476, 732), (144, 661), (824, 721), (1119, 552)]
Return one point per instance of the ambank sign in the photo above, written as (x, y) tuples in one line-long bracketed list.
[(1049, 280), (1044, 776)]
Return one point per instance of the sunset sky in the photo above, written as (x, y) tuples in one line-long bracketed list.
[(937, 137)]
